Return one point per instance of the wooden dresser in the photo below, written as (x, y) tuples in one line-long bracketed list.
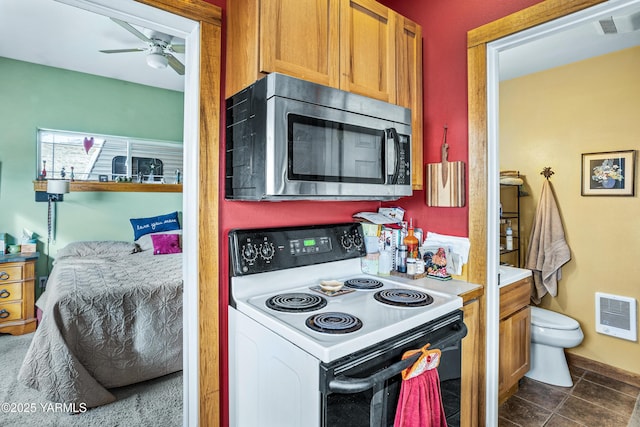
[(17, 293)]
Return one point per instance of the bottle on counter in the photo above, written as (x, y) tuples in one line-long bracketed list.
[(411, 266), (401, 262), (509, 238), (411, 242)]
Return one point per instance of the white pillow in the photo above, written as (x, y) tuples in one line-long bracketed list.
[(95, 248), (146, 243)]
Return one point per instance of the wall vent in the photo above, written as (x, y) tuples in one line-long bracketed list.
[(616, 316)]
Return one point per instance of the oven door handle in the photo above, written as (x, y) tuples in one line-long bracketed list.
[(347, 385)]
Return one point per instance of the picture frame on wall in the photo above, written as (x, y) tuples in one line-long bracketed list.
[(609, 173)]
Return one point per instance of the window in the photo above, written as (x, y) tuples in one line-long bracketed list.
[(86, 156)]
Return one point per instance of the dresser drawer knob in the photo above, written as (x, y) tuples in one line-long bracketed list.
[(4, 275), (4, 314), (5, 293)]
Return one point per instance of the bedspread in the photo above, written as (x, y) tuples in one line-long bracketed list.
[(110, 318)]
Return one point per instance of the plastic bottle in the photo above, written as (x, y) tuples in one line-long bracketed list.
[(411, 242), (401, 263), (509, 238), (384, 263)]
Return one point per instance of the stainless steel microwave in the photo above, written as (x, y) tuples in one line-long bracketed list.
[(287, 139)]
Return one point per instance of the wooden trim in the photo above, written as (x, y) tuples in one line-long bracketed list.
[(209, 241), (477, 127), (537, 14), (577, 361), (114, 187), (210, 18), (198, 10)]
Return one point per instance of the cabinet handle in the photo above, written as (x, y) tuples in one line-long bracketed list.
[(4, 275), (4, 314), (5, 293)]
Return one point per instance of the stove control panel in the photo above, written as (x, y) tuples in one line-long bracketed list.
[(261, 250)]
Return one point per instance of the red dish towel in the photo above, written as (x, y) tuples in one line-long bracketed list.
[(420, 402)]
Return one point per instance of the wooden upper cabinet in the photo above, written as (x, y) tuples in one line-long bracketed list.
[(367, 49), (300, 38), (409, 89)]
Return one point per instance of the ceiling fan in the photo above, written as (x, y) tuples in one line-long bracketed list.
[(159, 48)]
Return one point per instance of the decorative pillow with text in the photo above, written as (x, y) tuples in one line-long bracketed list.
[(155, 224)]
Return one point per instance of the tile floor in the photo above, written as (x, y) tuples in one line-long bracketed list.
[(594, 401)]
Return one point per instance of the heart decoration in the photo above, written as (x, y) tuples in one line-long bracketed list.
[(88, 143)]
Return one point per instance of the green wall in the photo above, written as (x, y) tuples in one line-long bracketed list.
[(34, 96)]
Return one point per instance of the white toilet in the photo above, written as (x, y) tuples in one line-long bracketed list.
[(551, 333)]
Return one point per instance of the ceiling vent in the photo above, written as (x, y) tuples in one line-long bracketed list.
[(618, 24)]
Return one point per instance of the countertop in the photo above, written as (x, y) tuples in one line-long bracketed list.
[(461, 288), (19, 257), (509, 275)]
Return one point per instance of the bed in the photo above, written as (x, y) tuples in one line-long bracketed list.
[(111, 316)]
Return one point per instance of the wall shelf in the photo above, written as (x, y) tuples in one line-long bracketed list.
[(114, 187)]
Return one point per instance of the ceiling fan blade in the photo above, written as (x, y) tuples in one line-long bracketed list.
[(132, 30), (177, 48), (122, 50), (177, 66)]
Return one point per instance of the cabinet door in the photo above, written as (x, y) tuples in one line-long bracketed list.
[(409, 89), (470, 366), (514, 349), (367, 49), (300, 38)]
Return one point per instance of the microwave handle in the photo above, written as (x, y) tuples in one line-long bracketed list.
[(392, 154)]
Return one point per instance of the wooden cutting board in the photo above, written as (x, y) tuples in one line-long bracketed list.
[(446, 180)]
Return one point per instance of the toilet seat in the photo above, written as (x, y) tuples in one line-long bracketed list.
[(552, 320)]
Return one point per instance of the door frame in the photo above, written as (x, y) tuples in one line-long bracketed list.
[(200, 24), (482, 85)]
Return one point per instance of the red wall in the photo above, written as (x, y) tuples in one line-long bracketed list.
[(445, 24)]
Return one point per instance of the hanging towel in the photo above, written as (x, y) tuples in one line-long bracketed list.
[(548, 249), (420, 402)]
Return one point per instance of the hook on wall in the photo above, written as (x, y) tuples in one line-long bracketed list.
[(547, 172)]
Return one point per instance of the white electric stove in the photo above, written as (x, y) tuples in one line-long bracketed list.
[(283, 328)]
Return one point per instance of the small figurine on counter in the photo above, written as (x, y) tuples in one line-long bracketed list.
[(72, 174), (43, 174), (63, 173), (436, 264)]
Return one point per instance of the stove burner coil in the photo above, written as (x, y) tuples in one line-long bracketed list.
[(297, 302), (334, 323), (403, 297), (363, 283)]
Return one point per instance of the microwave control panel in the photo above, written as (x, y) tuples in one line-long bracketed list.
[(261, 250)]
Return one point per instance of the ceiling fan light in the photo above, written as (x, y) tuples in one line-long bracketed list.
[(157, 60)]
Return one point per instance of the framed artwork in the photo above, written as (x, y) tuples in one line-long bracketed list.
[(610, 173)]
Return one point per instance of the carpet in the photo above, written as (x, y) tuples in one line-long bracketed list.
[(635, 416), (154, 402)]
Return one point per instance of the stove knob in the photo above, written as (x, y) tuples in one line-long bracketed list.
[(249, 253), (267, 251), (345, 241), (357, 240)]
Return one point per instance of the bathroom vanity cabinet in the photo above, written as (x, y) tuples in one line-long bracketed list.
[(515, 336)]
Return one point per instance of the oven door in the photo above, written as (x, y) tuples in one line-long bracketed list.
[(326, 152), (362, 389)]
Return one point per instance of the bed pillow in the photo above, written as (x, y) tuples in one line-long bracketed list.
[(166, 243), (146, 244), (95, 248), (154, 224)]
